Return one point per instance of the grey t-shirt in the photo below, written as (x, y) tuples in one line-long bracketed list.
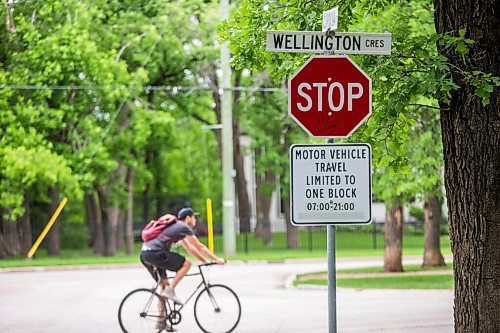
[(169, 236)]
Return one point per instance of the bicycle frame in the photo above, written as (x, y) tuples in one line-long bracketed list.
[(204, 283)]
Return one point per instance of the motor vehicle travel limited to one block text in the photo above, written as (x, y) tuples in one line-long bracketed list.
[(331, 183)]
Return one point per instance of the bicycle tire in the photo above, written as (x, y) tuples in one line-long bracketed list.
[(217, 309), (141, 311)]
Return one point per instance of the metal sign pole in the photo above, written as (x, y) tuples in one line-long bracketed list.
[(332, 281)]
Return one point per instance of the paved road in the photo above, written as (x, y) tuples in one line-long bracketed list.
[(87, 300)]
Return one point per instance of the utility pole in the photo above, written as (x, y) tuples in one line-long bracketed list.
[(228, 172)]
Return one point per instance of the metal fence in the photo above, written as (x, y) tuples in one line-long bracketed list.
[(309, 238), (314, 239)]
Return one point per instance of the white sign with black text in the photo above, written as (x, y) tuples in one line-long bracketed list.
[(318, 42), (330, 184), (330, 19)]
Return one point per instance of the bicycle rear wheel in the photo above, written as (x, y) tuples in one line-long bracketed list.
[(217, 309), (142, 311)]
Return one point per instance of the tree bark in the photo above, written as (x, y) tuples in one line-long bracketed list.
[(10, 235), (243, 200), (24, 226), (109, 203), (393, 254), (102, 192), (120, 229), (110, 215), (53, 241), (3, 247), (158, 190), (432, 247), (94, 223), (3, 244), (471, 145), (292, 232), (263, 228), (129, 224), (244, 210), (145, 194), (113, 213)]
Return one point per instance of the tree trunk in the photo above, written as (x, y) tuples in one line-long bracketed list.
[(109, 203), (432, 248), (263, 229), (10, 235), (53, 242), (471, 145), (129, 224), (393, 255), (292, 232), (244, 210), (120, 230), (110, 215), (94, 223), (24, 227), (3, 247), (3, 243), (117, 229), (158, 190), (145, 194)]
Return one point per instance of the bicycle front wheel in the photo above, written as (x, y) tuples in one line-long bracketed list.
[(142, 311), (217, 309)]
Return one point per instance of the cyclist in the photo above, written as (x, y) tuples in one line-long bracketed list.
[(156, 252)]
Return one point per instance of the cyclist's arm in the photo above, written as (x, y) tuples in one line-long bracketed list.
[(192, 251), (202, 249)]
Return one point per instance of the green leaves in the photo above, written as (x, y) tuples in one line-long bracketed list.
[(484, 83), (413, 77)]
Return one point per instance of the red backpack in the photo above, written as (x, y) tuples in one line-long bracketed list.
[(155, 227)]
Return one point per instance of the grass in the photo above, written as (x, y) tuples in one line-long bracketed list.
[(406, 268), (410, 281), (391, 282), (348, 244), (87, 257)]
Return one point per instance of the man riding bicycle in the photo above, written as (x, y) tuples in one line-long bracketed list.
[(156, 252)]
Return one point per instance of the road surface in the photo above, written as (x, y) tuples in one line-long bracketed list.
[(86, 300)]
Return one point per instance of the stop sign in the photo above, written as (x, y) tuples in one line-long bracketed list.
[(330, 96)]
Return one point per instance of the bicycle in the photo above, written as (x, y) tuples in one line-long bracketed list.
[(217, 308)]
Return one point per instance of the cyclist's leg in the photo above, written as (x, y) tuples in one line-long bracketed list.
[(173, 262), (150, 259)]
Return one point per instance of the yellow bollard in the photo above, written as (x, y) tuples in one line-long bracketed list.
[(210, 227), (47, 228)]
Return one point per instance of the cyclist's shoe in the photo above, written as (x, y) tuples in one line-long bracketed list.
[(162, 325), (169, 328), (169, 293)]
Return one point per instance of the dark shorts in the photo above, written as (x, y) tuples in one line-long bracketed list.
[(163, 260)]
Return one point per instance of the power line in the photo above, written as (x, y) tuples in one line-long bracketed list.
[(118, 110), (140, 88)]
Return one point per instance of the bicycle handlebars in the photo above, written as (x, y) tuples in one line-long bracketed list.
[(211, 263)]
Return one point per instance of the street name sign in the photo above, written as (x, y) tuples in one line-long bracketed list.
[(330, 184), (329, 96), (318, 42)]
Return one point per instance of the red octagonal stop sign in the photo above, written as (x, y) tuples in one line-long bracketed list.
[(330, 96)]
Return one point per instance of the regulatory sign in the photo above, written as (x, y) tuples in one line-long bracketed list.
[(329, 96), (318, 42), (330, 19), (330, 184)]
